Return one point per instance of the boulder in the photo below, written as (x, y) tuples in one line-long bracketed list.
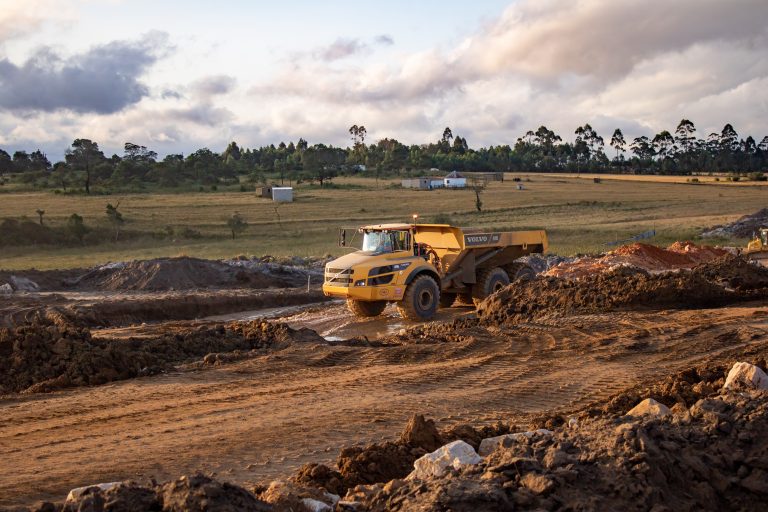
[(746, 376), (488, 445), (6, 289), (77, 492), (453, 455), (311, 505), (649, 407)]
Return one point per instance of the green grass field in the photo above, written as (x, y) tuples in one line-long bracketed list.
[(579, 215)]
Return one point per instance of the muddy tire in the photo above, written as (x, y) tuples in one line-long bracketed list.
[(521, 272), (365, 309), (447, 299), (420, 300), (489, 281)]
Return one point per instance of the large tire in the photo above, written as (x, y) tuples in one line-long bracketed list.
[(365, 309), (489, 281), (447, 299), (521, 272), (420, 300)]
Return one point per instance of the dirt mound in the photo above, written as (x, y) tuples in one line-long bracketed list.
[(381, 462), (644, 256), (195, 493), (44, 355), (726, 280), (125, 497), (710, 456), (184, 273), (378, 462), (201, 493), (744, 227), (320, 476)]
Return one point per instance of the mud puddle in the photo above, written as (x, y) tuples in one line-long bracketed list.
[(336, 323), (267, 313)]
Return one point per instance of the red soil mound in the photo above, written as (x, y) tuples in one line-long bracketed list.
[(647, 257)]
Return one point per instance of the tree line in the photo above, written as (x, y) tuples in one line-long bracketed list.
[(85, 166)]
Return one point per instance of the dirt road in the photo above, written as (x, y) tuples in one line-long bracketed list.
[(261, 418)]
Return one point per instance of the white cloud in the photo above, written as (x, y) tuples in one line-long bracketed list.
[(21, 17), (637, 65)]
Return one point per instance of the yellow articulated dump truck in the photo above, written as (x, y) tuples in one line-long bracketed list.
[(422, 266)]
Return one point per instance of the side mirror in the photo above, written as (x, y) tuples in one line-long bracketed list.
[(342, 237)]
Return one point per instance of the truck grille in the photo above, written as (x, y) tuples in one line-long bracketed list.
[(338, 276)]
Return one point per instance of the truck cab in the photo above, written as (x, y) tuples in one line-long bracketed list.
[(379, 272)]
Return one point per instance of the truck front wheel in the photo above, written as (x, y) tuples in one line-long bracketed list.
[(489, 281), (420, 300), (366, 309)]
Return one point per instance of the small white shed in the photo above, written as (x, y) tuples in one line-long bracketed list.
[(455, 180), (282, 194)]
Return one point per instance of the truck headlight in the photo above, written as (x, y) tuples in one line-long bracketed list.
[(360, 282)]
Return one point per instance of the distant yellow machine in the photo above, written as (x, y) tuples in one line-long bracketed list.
[(757, 249), (421, 266)]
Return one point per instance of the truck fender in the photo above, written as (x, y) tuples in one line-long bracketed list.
[(423, 270)]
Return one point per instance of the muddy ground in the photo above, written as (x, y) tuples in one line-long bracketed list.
[(96, 392)]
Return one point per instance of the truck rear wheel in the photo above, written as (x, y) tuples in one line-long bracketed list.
[(521, 272), (489, 282), (420, 300), (447, 299), (364, 309)]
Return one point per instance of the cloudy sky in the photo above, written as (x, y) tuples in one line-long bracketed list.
[(179, 75)]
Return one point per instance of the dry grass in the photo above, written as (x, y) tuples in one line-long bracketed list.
[(580, 216), (720, 179)]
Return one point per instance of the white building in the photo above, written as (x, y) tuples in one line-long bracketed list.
[(455, 180), (282, 194)]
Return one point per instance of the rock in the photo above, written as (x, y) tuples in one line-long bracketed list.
[(453, 455), (537, 484), (77, 492), (746, 376), (6, 290), (649, 407), (422, 433), (311, 505), (23, 284), (489, 444)]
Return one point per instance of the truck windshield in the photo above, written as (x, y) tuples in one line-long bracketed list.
[(385, 241)]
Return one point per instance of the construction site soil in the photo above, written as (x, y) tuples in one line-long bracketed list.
[(725, 280), (680, 255), (264, 415)]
